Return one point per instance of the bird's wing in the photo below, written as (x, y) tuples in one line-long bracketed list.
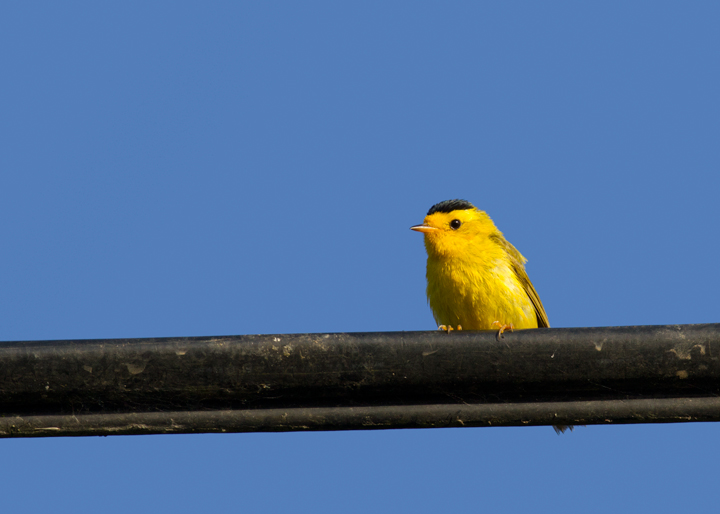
[(518, 264)]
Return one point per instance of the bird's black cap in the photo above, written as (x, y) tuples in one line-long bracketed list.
[(450, 205)]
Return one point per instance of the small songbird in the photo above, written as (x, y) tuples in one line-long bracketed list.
[(476, 279)]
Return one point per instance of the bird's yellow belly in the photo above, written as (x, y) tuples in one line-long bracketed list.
[(479, 298)]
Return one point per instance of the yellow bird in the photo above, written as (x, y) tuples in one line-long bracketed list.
[(476, 279)]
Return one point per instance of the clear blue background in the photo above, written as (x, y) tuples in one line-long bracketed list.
[(182, 169)]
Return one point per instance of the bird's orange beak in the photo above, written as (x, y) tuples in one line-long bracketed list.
[(423, 228)]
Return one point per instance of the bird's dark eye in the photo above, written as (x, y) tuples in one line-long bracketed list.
[(455, 224)]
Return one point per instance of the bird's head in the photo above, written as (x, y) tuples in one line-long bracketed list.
[(455, 228)]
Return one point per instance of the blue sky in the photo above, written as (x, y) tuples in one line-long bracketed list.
[(186, 169)]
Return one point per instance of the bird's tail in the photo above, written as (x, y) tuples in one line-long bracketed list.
[(559, 429)]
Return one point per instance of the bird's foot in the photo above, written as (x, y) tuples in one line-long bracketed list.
[(503, 328), (448, 328)]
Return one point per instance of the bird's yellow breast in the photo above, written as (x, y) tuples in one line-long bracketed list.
[(477, 294)]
